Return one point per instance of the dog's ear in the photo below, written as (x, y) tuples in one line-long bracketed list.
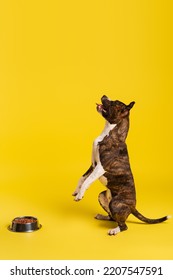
[(129, 107), (125, 111)]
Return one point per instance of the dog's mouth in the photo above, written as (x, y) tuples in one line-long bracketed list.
[(104, 107), (100, 108)]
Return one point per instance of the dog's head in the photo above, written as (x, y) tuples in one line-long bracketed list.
[(113, 111)]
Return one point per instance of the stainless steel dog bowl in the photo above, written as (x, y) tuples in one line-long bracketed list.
[(24, 224)]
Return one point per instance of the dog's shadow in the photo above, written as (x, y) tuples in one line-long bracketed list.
[(107, 224)]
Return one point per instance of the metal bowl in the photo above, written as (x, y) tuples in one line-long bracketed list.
[(24, 224)]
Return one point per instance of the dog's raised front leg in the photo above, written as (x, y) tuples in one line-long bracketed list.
[(97, 172), (82, 179)]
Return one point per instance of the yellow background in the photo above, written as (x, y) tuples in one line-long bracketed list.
[(57, 58)]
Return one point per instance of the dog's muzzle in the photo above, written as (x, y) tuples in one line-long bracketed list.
[(100, 108)]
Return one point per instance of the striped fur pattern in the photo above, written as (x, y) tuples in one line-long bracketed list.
[(110, 164)]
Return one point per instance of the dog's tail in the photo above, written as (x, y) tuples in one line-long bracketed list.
[(147, 220)]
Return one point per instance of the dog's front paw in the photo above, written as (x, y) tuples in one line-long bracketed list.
[(74, 193), (78, 197)]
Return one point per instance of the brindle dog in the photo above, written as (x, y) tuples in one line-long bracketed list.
[(110, 164)]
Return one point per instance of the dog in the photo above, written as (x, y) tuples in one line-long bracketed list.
[(110, 164)]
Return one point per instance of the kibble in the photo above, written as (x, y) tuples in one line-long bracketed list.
[(24, 220)]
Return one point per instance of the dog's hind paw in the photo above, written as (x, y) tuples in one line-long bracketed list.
[(114, 231), (103, 217)]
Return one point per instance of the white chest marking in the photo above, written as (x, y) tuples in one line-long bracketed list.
[(98, 170), (95, 153)]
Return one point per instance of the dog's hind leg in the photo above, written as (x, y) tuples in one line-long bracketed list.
[(119, 212), (104, 200)]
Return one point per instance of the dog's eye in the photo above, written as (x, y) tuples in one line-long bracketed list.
[(118, 107)]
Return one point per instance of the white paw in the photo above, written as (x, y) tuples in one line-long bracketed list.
[(114, 231), (79, 196)]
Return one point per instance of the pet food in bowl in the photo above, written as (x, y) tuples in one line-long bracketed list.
[(24, 224)]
